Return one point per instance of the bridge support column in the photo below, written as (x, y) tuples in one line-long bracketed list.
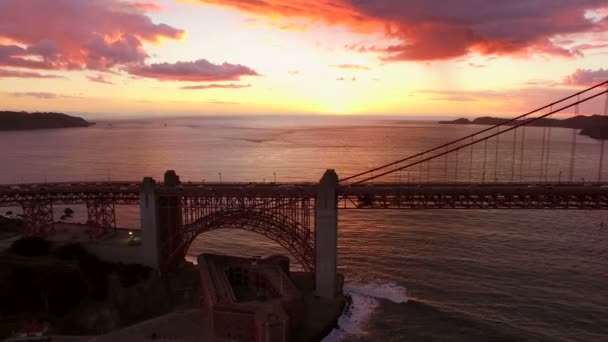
[(102, 217), (326, 231), (148, 210), (170, 225), (38, 217)]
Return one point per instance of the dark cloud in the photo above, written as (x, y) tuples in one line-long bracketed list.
[(24, 74), (217, 86), (439, 29), (197, 71), (45, 95), (99, 79), (586, 77), (463, 95)]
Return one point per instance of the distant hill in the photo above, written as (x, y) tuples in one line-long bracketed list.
[(12, 121), (594, 126)]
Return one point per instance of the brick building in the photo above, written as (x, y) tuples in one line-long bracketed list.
[(249, 299)]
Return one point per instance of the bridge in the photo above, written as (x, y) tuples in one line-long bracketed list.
[(476, 171)]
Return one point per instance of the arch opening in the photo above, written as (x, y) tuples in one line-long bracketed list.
[(294, 237)]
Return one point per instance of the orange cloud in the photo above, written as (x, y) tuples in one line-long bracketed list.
[(438, 29), (75, 34)]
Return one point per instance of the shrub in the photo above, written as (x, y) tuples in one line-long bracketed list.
[(72, 251), (131, 274), (64, 289), (31, 246)]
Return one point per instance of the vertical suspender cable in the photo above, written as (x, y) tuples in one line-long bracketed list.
[(521, 160), (485, 158), (573, 145), (513, 155), (542, 154), (471, 163), (599, 174), (445, 166), (428, 171), (456, 168), (496, 155), (548, 146)]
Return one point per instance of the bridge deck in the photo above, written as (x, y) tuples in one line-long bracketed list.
[(369, 196)]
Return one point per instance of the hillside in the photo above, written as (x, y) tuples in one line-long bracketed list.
[(594, 126), (12, 121)]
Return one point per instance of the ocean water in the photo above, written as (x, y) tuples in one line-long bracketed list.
[(414, 275)]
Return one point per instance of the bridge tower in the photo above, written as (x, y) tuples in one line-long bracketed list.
[(170, 232), (326, 239), (161, 222), (148, 202)]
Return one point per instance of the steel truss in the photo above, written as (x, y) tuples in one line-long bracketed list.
[(38, 217), (287, 220), (463, 197), (101, 215), (59, 195)]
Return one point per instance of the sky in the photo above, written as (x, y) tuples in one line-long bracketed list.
[(123, 58)]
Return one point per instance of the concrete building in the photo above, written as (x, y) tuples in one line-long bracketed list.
[(249, 299)]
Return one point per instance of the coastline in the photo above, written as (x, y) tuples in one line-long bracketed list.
[(593, 126)]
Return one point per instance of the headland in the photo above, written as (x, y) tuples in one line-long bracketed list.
[(15, 121), (593, 126)]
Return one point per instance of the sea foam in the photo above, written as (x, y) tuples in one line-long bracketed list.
[(365, 300)]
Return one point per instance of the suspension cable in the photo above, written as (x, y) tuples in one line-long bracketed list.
[(481, 139), (521, 160), (506, 123), (496, 154), (513, 155)]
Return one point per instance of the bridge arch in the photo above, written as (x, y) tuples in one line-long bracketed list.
[(290, 234)]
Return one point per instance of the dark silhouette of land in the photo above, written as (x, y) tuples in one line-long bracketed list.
[(593, 126), (13, 121)]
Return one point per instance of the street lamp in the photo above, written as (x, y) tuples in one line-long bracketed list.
[(220, 174), (275, 176)]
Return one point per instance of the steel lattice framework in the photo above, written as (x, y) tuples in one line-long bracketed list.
[(477, 178), (474, 196), (64, 193), (285, 216), (38, 217), (102, 217)]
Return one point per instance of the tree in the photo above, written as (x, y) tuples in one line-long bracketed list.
[(31, 246)]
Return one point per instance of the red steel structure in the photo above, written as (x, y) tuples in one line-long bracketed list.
[(285, 212)]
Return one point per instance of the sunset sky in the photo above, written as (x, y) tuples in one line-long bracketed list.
[(178, 57)]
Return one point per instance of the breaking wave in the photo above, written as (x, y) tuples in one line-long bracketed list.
[(365, 300)]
